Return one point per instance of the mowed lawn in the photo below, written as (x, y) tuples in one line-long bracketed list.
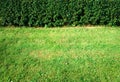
[(60, 54)]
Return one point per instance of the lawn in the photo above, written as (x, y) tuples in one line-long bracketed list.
[(60, 54)]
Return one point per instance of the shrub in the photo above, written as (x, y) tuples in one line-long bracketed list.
[(59, 12)]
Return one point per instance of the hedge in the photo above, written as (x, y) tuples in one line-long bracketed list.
[(59, 12)]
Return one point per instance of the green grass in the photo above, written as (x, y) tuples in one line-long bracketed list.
[(60, 54)]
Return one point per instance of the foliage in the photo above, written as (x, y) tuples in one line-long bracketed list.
[(59, 12)]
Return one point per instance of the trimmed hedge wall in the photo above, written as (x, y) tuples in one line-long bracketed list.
[(59, 12)]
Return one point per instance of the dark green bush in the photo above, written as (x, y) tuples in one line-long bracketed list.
[(59, 12)]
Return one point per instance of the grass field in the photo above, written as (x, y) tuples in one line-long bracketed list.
[(60, 54)]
